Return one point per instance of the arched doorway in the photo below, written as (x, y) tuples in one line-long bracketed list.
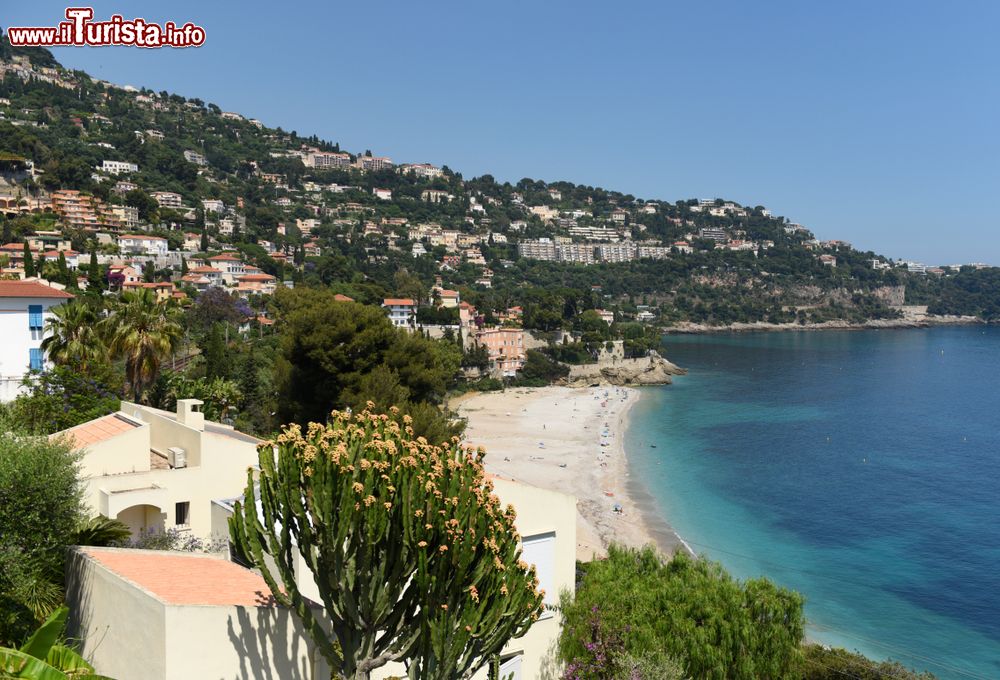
[(143, 519)]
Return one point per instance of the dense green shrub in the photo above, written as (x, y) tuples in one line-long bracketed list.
[(687, 609)]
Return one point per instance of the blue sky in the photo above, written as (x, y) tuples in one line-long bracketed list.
[(873, 122)]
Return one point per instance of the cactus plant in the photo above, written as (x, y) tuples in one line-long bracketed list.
[(413, 556)]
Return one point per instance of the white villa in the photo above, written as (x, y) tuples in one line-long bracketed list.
[(402, 311), (155, 470), (24, 308)]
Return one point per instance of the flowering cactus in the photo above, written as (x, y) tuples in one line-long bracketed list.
[(413, 556)]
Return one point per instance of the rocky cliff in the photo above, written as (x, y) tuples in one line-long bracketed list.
[(651, 370)]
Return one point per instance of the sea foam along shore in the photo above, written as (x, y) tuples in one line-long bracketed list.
[(570, 440)]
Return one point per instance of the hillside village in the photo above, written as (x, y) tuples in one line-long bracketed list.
[(177, 196), (275, 278)]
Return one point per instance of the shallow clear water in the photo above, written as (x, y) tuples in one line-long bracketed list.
[(859, 468)]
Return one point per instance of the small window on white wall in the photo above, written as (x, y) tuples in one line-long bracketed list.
[(540, 550), (181, 513)]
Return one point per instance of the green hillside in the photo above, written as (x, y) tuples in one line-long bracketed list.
[(762, 269)]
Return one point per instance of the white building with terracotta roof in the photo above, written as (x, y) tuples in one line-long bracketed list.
[(402, 311), (229, 265), (156, 470), (260, 284), (72, 257), (25, 306), (160, 615)]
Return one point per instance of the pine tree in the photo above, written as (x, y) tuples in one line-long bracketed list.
[(184, 266), (29, 264), (204, 239)]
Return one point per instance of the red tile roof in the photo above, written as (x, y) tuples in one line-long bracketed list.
[(256, 277), (31, 289), (185, 579), (342, 298), (99, 430), (402, 302), (225, 256)]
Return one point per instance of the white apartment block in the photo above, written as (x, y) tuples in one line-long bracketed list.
[(581, 253), (616, 252), (652, 252), (326, 160), (213, 205), (539, 249), (126, 215), (424, 170), (118, 167), (595, 233), (716, 234), (24, 308), (372, 163), (140, 244), (168, 199)]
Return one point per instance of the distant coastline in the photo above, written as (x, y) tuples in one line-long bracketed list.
[(912, 321)]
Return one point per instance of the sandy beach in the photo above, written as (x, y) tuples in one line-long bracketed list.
[(569, 440)]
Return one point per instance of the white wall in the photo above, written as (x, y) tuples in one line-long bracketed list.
[(121, 629), (129, 634), (17, 340), (237, 643)]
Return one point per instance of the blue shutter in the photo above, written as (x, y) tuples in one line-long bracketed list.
[(36, 359), (35, 317)]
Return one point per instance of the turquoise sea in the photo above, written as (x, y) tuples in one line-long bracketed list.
[(859, 468)]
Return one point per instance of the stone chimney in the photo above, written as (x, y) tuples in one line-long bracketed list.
[(189, 413)]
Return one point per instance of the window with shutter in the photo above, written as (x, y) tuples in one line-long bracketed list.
[(35, 317), (35, 359), (540, 550)]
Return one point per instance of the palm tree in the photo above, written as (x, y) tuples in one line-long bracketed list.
[(144, 332), (72, 337)]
